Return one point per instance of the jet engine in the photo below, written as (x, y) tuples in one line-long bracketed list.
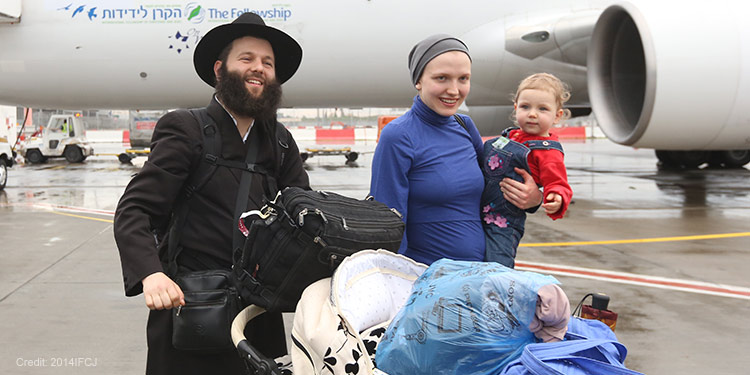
[(682, 88)]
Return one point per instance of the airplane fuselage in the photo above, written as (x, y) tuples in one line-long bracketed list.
[(138, 55), (657, 75)]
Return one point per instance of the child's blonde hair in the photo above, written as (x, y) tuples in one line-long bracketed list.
[(546, 82)]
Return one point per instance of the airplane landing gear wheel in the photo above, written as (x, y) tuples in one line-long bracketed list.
[(682, 159), (730, 159), (693, 159)]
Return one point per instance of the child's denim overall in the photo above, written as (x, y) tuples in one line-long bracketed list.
[(503, 222)]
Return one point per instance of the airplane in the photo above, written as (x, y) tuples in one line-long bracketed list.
[(665, 75)]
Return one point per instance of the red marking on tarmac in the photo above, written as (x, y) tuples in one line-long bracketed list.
[(638, 279)]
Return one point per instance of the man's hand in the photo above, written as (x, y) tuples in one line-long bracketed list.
[(553, 203), (161, 292), (523, 195)]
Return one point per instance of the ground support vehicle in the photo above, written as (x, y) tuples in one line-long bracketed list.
[(129, 154), (64, 136), (7, 157), (350, 155), (141, 130)]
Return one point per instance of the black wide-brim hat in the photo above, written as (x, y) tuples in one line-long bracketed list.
[(287, 52)]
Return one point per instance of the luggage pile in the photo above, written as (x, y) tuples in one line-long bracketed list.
[(364, 311)]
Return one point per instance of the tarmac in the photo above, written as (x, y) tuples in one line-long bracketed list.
[(671, 249)]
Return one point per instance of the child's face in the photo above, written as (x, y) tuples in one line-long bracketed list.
[(445, 82), (537, 111)]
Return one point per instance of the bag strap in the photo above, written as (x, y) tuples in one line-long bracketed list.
[(209, 161), (282, 148), (211, 141), (574, 346), (461, 122), (463, 125), (244, 190), (534, 357), (282, 137)]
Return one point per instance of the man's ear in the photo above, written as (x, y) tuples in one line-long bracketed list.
[(217, 69), (418, 86)]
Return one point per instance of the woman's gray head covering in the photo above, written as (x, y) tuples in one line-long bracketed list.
[(428, 49)]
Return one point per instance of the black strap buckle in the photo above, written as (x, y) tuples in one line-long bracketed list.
[(248, 281), (211, 159)]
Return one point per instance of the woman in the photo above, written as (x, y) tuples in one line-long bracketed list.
[(426, 165)]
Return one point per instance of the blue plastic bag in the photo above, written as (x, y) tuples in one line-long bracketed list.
[(462, 318)]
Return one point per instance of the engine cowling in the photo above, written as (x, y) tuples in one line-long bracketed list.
[(672, 77)]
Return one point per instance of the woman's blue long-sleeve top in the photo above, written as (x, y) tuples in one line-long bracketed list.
[(425, 166)]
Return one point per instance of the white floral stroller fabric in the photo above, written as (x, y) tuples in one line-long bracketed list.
[(339, 321)]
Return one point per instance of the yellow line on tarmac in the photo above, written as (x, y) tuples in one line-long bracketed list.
[(84, 217), (640, 240)]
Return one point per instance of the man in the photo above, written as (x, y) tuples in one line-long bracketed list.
[(246, 61), (65, 128)]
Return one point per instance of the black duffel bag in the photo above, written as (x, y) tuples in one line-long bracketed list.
[(301, 237)]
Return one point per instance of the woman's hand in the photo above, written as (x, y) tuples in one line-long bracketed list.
[(523, 195)]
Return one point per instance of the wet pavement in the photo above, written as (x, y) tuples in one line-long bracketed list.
[(656, 241)]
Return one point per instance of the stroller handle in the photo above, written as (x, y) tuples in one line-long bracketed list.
[(240, 321), (260, 364)]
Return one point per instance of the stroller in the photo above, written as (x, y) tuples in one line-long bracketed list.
[(339, 323), (339, 320)]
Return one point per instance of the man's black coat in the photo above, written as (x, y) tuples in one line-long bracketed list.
[(144, 212)]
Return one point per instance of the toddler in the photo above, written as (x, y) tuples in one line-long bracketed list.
[(538, 106)]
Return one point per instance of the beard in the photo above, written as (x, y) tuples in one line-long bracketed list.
[(233, 94)]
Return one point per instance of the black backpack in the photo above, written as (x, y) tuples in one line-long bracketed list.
[(301, 237)]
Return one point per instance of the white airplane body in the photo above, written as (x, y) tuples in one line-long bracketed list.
[(660, 75)]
